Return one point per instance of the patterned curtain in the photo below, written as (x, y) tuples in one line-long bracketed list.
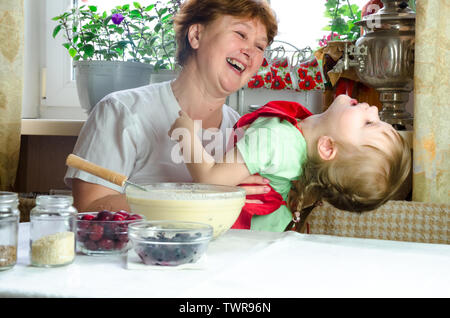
[(431, 179), (11, 81)]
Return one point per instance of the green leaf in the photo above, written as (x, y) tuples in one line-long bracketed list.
[(150, 7), (93, 8), (162, 11), (92, 26), (126, 7), (72, 52), (167, 17), (135, 14), (344, 10), (331, 4), (120, 44), (88, 50), (137, 5), (56, 30), (118, 50), (107, 19), (157, 27), (67, 45)]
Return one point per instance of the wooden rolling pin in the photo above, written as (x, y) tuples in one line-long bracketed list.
[(106, 174)]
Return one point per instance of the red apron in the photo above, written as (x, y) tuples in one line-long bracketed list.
[(290, 111)]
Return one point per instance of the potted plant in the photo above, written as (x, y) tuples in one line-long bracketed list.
[(343, 17), (120, 49)]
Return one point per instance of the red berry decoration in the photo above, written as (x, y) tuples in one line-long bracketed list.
[(124, 213), (118, 217), (106, 231), (104, 216), (81, 235), (96, 231), (105, 244), (118, 245), (122, 238), (90, 245), (84, 222), (88, 217), (134, 217)]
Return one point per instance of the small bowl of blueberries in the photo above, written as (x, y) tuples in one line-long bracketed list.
[(169, 243)]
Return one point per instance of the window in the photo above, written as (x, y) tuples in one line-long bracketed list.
[(58, 89), (59, 98), (300, 24)]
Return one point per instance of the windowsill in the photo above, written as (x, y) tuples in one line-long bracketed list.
[(51, 127)]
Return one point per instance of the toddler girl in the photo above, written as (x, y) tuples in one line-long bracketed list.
[(346, 156)]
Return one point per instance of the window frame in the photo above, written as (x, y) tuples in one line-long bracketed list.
[(61, 97)]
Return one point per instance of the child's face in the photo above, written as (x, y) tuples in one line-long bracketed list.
[(357, 123)]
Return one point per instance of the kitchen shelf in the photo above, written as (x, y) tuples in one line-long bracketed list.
[(51, 127)]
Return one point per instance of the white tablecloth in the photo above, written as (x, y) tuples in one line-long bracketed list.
[(245, 263)]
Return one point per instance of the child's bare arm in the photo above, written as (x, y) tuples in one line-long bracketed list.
[(227, 173), (201, 165)]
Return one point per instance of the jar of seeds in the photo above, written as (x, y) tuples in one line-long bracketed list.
[(52, 231), (9, 227)]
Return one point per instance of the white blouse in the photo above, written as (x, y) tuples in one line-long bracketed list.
[(127, 132)]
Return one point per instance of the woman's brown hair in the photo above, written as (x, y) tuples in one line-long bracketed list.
[(206, 11)]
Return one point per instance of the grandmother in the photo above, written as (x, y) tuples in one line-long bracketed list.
[(220, 47)]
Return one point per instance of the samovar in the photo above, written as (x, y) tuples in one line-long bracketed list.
[(383, 58)]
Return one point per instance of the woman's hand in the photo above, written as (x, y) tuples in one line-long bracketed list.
[(261, 188), (184, 121)]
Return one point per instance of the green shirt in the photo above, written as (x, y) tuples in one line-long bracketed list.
[(276, 150)]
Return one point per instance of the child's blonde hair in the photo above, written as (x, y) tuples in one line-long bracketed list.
[(358, 179)]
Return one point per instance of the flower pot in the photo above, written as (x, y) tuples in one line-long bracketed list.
[(96, 79)]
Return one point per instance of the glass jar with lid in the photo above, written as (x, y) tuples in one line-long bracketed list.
[(52, 231), (9, 226)]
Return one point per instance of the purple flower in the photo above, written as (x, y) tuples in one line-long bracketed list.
[(117, 18)]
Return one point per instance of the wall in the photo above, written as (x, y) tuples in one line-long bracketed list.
[(313, 100), (42, 163), (244, 98)]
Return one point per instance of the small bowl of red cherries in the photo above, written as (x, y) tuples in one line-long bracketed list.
[(104, 232)]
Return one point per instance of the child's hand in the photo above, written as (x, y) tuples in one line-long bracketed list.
[(184, 121)]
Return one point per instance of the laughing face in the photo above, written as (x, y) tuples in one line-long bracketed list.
[(229, 51)]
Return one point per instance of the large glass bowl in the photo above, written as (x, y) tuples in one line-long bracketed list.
[(216, 205)]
